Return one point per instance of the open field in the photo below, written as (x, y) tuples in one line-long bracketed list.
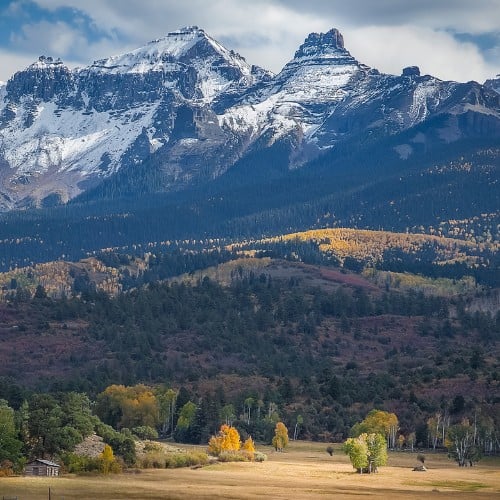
[(305, 470)]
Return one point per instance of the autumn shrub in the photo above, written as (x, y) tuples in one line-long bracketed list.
[(231, 456), (153, 446), (152, 460), (6, 468), (159, 459), (188, 459), (176, 460), (259, 456)]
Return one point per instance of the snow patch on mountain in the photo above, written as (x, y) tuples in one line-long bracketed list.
[(216, 67), (66, 140)]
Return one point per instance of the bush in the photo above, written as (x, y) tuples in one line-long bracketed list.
[(152, 460), (188, 459), (79, 464), (145, 432), (153, 446), (168, 460), (231, 456), (259, 457), (6, 468), (121, 442)]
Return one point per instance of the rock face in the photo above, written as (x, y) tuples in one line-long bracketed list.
[(198, 107), (493, 84), (411, 71)]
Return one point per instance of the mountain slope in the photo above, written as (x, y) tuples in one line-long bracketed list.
[(63, 130), (190, 109)]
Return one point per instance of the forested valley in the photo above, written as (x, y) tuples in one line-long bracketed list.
[(312, 345)]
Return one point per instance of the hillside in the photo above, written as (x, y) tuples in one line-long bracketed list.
[(112, 271), (307, 337)]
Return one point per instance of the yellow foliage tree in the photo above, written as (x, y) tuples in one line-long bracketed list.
[(134, 406), (280, 439), (227, 439), (378, 421), (107, 459), (249, 447)]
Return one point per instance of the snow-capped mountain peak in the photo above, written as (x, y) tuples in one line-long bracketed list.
[(176, 55), (321, 68), (157, 54), (319, 45), (199, 107), (493, 84)]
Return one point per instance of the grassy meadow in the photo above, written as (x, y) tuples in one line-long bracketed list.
[(303, 471)]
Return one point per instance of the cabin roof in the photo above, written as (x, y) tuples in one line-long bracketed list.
[(45, 462)]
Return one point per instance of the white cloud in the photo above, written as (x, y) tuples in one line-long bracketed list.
[(390, 49), (11, 63), (388, 34), (55, 38)]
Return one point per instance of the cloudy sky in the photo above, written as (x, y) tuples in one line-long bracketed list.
[(451, 39)]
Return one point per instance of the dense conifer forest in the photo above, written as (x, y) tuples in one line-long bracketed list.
[(290, 342)]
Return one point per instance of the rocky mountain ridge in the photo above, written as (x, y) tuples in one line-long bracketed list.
[(197, 108)]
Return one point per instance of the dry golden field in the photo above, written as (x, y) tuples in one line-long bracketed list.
[(304, 471)]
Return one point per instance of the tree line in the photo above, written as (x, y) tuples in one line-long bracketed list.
[(51, 426)]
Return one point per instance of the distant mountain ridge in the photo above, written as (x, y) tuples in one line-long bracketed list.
[(194, 109)]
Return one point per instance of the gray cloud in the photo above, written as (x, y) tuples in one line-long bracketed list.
[(387, 34), (474, 16)]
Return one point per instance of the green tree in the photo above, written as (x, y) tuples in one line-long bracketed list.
[(357, 450), (77, 413), (185, 423), (377, 451), (44, 425), (460, 444), (366, 452), (49, 425), (227, 414), (10, 445), (166, 403)]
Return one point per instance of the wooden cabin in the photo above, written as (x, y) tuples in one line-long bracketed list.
[(41, 467)]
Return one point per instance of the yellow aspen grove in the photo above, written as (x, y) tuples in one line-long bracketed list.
[(227, 439)]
